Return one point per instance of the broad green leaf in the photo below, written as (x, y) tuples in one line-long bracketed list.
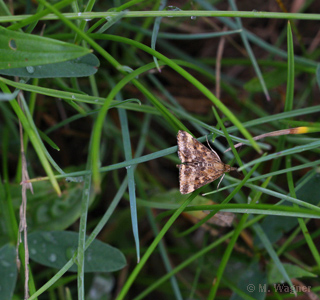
[(79, 67), (275, 226), (26, 50), (55, 248), (8, 271), (46, 210), (253, 282), (274, 276), (234, 269)]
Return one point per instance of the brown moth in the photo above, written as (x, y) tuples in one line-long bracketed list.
[(199, 165)]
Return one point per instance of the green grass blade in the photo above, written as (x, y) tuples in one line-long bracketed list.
[(34, 140), (290, 83), (290, 151), (131, 181), (250, 52), (304, 229), (190, 78), (154, 244)]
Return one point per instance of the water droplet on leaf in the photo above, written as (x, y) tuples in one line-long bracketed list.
[(30, 69), (52, 257)]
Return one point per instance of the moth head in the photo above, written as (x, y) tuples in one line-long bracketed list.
[(228, 168)]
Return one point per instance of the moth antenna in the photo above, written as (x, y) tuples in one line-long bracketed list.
[(211, 147), (220, 181)]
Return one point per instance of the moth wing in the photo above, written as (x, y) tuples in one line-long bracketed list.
[(192, 177), (191, 150)]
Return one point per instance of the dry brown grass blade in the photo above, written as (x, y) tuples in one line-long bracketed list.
[(218, 66), (23, 214), (297, 130)]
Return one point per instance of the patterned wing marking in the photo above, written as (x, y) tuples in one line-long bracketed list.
[(190, 150), (193, 176)]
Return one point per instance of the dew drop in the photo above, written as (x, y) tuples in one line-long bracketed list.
[(193, 17), (5, 264), (30, 69), (79, 14), (89, 256), (47, 236), (173, 8), (52, 257)]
